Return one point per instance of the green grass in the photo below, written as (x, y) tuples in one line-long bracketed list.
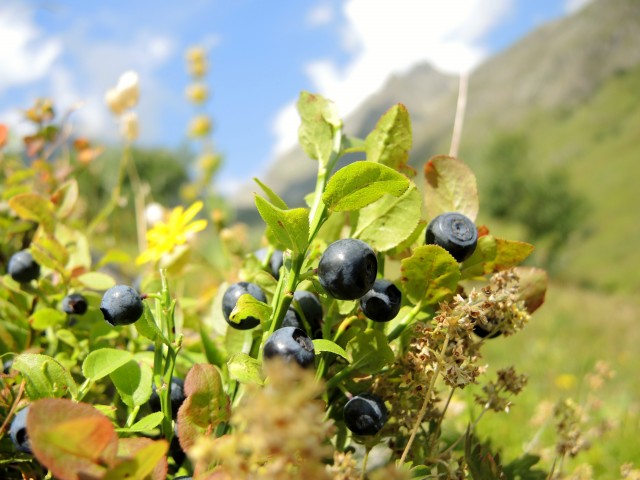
[(573, 330)]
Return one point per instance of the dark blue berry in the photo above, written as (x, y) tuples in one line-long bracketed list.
[(18, 431), (365, 414), (310, 308), (347, 269), (176, 397), (74, 304), (454, 232), (22, 267), (230, 299), (382, 302), (121, 305), (275, 261), (290, 343), (490, 330)]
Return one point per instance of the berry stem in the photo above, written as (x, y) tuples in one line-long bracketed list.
[(405, 322)]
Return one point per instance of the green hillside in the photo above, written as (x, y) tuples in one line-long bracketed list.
[(596, 142)]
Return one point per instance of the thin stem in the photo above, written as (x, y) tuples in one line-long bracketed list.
[(405, 322), (425, 403), (471, 429), (441, 418), (364, 463), (460, 111)]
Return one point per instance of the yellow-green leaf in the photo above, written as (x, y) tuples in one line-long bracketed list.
[(450, 187)]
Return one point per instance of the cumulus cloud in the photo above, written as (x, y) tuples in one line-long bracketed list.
[(386, 38), (321, 14), (26, 54)]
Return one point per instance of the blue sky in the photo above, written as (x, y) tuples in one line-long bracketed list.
[(261, 55)]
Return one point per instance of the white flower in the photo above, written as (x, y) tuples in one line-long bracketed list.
[(129, 126)]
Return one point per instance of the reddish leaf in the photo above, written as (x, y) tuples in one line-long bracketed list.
[(140, 457), (450, 187), (205, 407), (73, 440), (4, 135), (533, 286)]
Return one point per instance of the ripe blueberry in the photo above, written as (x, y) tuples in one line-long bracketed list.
[(365, 414), (22, 267), (382, 302), (230, 299), (176, 397), (310, 308), (454, 232), (347, 269), (74, 303), (18, 431), (121, 305), (290, 343), (487, 331), (275, 262)]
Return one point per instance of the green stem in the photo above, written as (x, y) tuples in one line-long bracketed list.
[(405, 322)]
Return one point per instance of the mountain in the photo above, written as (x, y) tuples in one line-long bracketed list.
[(572, 87)]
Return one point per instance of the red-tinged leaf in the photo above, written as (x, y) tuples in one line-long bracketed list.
[(140, 457), (31, 206), (4, 135), (73, 440), (206, 404), (450, 187), (65, 198), (533, 286)]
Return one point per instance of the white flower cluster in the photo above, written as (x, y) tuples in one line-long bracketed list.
[(121, 99)]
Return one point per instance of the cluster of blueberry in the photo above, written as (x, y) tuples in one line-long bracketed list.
[(347, 271)]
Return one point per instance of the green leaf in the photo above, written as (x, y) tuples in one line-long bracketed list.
[(214, 354), (521, 469), (96, 280), (450, 187), (205, 407), (103, 361), (48, 252), (510, 253), (362, 183), (114, 256), (369, 351), (483, 465), (145, 424), (45, 377), (389, 143), (429, 275), (47, 317), (352, 144), (479, 264), (31, 206), (290, 227), (386, 223), (133, 381), (322, 345), (72, 440), (273, 196), (245, 369), (65, 198), (319, 120), (146, 325), (140, 458), (248, 306)]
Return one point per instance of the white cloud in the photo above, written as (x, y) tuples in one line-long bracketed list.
[(322, 14), (571, 6), (386, 38), (26, 55)]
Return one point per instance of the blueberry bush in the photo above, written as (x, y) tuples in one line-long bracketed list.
[(338, 349)]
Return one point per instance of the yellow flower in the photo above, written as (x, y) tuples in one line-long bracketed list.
[(165, 236)]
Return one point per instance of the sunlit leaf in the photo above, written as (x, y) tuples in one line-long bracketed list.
[(45, 377), (450, 187), (429, 275)]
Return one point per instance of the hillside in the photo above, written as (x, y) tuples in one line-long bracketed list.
[(571, 88)]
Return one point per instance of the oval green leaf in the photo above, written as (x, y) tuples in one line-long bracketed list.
[(450, 187), (103, 361), (429, 275)]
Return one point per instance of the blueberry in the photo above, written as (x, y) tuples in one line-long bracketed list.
[(121, 305), (18, 431), (347, 269), (487, 331), (365, 414), (454, 232), (6, 366), (382, 302), (275, 262), (310, 307), (74, 303), (230, 298), (290, 343), (176, 397), (22, 267)]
